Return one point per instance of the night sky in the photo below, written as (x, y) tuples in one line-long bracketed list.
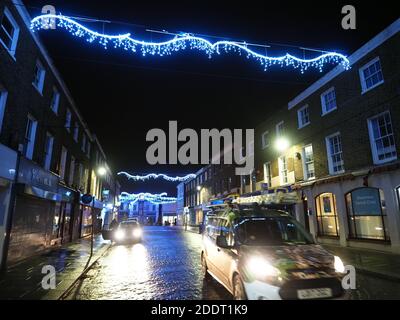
[(122, 95)]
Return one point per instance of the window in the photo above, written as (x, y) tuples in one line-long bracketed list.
[(265, 140), (76, 131), (38, 80), (30, 135), (68, 118), (280, 129), (327, 215), (71, 171), (371, 75), (3, 100), (9, 32), (308, 162), (283, 171), (335, 154), (366, 210), (382, 138), (63, 162), (328, 101), (48, 151), (303, 116), (55, 100), (267, 174), (84, 143)]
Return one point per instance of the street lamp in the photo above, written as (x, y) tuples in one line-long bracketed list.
[(281, 144), (101, 171)]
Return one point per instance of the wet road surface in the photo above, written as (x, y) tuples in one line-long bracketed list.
[(166, 266)]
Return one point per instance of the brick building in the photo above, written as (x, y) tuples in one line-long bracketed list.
[(336, 146), (49, 158)]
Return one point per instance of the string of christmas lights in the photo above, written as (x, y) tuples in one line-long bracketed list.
[(161, 198), (185, 41), (157, 176)]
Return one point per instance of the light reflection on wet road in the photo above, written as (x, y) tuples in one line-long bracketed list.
[(165, 266)]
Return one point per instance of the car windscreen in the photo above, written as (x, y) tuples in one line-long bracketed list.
[(129, 225), (271, 231)]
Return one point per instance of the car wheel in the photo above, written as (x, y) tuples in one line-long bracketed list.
[(239, 292), (204, 269)]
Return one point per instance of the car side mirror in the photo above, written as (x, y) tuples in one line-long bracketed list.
[(221, 242)]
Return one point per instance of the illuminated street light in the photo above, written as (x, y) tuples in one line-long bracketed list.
[(281, 144), (198, 188), (101, 171)]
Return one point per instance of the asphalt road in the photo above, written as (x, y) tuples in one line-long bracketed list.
[(166, 266)]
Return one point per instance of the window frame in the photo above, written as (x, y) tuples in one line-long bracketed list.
[(281, 170), (40, 86), (300, 118), (68, 120), (30, 141), (372, 139), (329, 155), (265, 141), (323, 101), (48, 153), (15, 37), (305, 171), (278, 132), (363, 81), (56, 99), (349, 216), (320, 232), (3, 103)]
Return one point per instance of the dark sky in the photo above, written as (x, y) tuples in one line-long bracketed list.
[(122, 95)]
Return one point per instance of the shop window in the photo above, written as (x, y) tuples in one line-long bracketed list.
[(327, 215), (366, 210)]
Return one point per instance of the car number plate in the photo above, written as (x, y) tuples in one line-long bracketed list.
[(314, 293)]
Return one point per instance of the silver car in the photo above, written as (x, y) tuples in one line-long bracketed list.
[(259, 254)]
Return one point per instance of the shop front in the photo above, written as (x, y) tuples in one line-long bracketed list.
[(357, 210), (7, 176), (91, 217), (64, 218), (34, 222)]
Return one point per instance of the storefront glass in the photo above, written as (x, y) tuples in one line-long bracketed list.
[(327, 215), (366, 211)]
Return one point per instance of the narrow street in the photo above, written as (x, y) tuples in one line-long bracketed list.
[(166, 267)]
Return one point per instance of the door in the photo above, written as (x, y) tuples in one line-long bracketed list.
[(306, 218), (224, 256)]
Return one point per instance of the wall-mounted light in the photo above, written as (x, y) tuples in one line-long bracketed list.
[(281, 144)]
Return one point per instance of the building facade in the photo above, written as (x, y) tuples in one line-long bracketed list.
[(56, 156), (337, 144)]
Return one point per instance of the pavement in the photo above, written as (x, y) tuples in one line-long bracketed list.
[(24, 279), (375, 263)]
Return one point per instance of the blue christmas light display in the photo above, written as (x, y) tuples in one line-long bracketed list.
[(185, 41), (161, 198), (157, 176)]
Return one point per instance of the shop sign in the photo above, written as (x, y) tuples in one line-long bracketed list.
[(33, 175), (366, 201)]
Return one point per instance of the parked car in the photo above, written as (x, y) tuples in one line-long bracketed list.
[(128, 231), (260, 253)]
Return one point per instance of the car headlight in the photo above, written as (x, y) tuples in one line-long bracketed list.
[(261, 268), (338, 264), (137, 233), (119, 235)]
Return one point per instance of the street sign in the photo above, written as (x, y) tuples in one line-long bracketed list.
[(87, 199)]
